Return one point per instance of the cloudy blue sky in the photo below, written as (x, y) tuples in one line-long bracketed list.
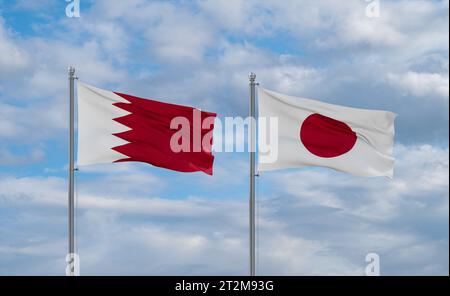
[(136, 219)]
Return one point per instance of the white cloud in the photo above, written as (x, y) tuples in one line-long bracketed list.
[(310, 222), (355, 216), (36, 6), (40, 97), (378, 199), (173, 33), (55, 57), (179, 38), (10, 158), (345, 24), (238, 16), (421, 84), (122, 192), (12, 58), (31, 123)]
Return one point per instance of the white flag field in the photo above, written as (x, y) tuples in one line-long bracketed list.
[(313, 133)]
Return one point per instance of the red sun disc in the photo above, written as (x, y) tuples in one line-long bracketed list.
[(326, 137)]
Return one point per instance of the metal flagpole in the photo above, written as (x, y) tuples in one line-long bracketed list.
[(252, 77), (71, 172)]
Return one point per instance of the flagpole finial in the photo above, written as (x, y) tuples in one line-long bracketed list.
[(252, 77)]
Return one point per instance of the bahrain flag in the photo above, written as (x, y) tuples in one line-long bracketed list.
[(115, 127), (313, 133)]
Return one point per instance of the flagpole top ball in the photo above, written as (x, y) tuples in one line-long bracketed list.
[(252, 76)]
